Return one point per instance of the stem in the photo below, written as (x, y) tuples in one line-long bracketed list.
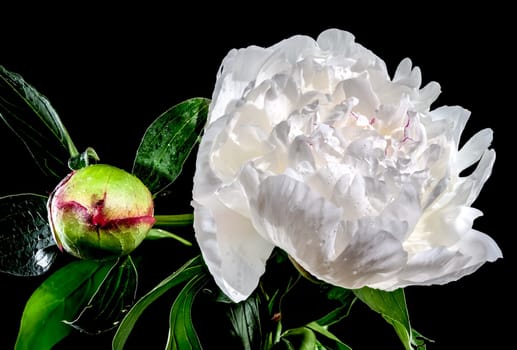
[(178, 220), (278, 333), (275, 336), (72, 150)]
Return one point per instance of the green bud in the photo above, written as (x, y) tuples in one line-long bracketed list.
[(99, 212)]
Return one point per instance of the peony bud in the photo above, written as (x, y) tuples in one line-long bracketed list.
[(100, 212)]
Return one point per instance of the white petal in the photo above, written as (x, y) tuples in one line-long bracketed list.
[(336, 41), (361, 88), (342, 51), (350, 195), (242, 139), (206, 181), (403, 70), (403, 209), (472, 151), (280, 99), (372, 254), (309, 228), (238, 69), (233, 197), (442, 227), (233, 251), (427, 95), (469, 190), (480, 247), (392, 116), (456, 115), (406, 75), (300, 156), (294, 218), (433, 266), (442, 265), (284, 55), (315, 77)]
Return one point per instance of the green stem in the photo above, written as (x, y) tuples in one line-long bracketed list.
[(178, 220), (273, 337), (278, 333), (72, 150)]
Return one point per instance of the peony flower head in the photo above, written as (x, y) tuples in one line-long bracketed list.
[(312, 147), (100, 211)]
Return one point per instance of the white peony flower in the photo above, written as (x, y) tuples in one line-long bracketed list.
[(310, 146)]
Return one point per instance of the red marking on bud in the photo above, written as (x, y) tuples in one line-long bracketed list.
[(75, 207), (98, 218), (128, 222)]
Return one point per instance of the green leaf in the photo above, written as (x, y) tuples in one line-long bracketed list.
[(190, 269), (182, 335), (60, 297), (323, 331), (392, 306), (34, 121), (280, 285), (27, 247), (301, 338), (346, 298), (157, 233), (111, 301), (246, 321), (167, 143), (419, 340)]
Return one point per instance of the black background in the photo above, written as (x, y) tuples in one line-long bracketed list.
[(110, 72)]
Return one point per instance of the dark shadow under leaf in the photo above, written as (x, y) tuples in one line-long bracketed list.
[(188, 271), (182, 334), (27, 247), (111, 300)]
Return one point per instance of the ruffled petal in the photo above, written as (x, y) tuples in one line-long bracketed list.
[(238, 69), (232, 250), (206, 180), (472, 151), (455, 115), (406, 75), (309, 228), (284, 55), (441, 265), (467, 189), (337, 42), (361, 88), (372, 254), (294, 218)]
